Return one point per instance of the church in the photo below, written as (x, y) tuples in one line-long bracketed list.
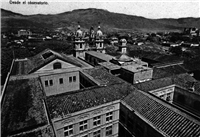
[(95, 42)]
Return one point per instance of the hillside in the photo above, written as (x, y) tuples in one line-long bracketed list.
[(6, 13), (90, 17)]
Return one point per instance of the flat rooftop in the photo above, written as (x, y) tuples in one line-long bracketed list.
[(136, 68), (102, 56), (110, 65)]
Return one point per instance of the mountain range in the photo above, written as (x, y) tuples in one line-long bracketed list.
[(109, 21)]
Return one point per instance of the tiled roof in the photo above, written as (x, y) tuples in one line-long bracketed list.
[(63, 104), (164, 117), (160, 73), (102, 76), (23, 108), (102, 56), (34, 63), (168, 71), (181, 80), (162, 58)]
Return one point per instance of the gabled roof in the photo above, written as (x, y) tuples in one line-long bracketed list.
[(39, 61), (32, 64), (163, 116), (181, 80)]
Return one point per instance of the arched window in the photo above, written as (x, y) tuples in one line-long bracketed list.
[(57, 65)]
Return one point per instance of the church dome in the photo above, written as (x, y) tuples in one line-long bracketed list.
[(123, 58), (99, 32)]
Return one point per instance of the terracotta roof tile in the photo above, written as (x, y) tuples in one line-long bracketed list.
[(167, 119), (64, 104), (181, 80), (168, 71), (102, 76)]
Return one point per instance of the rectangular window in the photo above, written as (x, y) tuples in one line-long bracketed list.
[(46, 83), (97, 133), (83, 125), (97, 120), (74, 78), (80, 46), (108, 130), (61, 80), (51, 82), (70, 79), (109, 116), (68, 130)]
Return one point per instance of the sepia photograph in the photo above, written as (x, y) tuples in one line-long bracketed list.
[(99, 68)]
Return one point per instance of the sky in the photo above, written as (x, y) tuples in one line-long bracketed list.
[(147, 8)]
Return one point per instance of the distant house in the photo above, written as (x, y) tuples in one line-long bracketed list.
[(123, 46), (24, 32), (114, 40), (185, 46)]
